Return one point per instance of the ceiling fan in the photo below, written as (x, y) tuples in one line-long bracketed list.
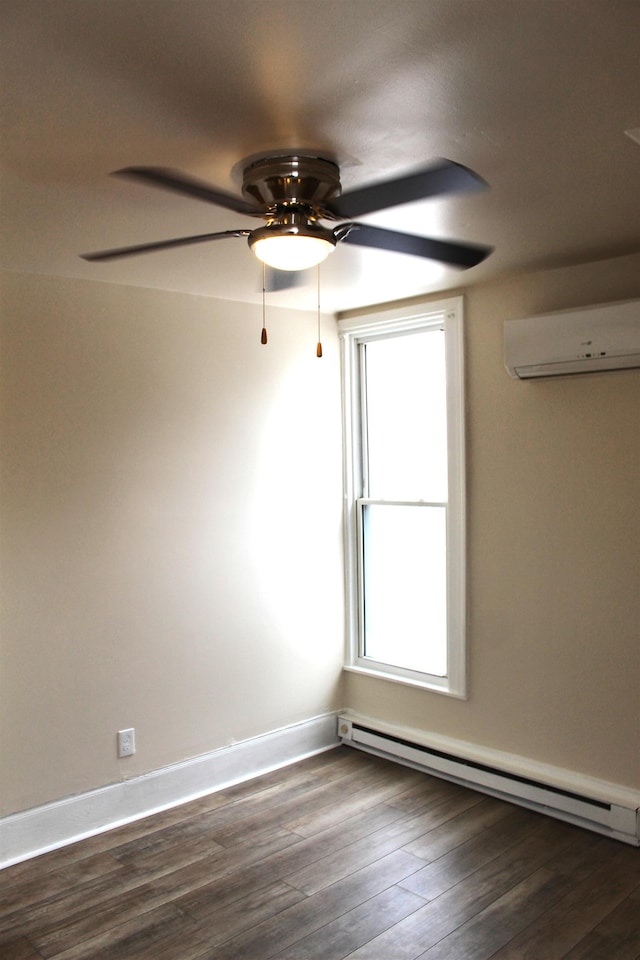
[(293, 193)]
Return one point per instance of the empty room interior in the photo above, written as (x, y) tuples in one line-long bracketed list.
[(320, 580)]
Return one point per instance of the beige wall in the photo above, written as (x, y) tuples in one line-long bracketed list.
[(171, 530), (171, 554), (553, 549)]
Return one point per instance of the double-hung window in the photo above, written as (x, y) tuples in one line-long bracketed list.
[(404, 494)]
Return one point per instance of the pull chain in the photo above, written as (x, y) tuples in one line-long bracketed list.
[(263, 336), (319, 346)]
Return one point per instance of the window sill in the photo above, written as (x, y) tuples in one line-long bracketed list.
[(429, 685)]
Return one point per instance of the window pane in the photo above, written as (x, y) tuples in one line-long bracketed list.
[(406, 417), (405, 608)]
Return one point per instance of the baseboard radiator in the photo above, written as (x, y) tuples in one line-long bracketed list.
[(620, 821)]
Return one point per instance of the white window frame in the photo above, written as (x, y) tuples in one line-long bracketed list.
[(446, 315)]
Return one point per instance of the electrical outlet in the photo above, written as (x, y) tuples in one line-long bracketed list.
[(126, 742)]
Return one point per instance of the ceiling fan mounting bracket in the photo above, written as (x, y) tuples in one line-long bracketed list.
[(306, 182)]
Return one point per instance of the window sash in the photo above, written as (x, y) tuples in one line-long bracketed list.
[(403, 586), (397, 431)]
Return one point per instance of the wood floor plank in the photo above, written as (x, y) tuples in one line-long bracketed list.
[(425, 792), (140, 938), (466, 899), (343, 935), (616, 936), (480, 937), (52, 910), (341, 862), (55, 934), (576, 914), (321, 798), (583, 857), (464, 859), (176, 851), (19, 950), (313, 913), (33, 888), (488, 818), (384, 789), (285, 863), (193, 838), (220, 920), (72, 913), (78, 923), (59, 936), (60, 922)]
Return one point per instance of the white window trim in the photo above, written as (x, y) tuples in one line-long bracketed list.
[(446, 314)]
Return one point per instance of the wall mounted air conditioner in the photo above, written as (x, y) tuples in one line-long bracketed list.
[(586, 340)]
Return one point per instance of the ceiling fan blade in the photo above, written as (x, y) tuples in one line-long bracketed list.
[(445, 178), (461, 255), (187, 186), (162, 245)]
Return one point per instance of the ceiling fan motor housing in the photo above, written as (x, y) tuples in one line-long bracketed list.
[(305, 182)]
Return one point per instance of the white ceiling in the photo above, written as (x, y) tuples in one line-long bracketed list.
[(534, 95)]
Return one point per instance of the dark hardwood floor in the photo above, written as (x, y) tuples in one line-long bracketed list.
[(341, 855)]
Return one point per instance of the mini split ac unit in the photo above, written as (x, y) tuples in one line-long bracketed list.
[(587, 340)]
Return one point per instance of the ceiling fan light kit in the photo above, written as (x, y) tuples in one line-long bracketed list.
[(290, 251), (292, 193)]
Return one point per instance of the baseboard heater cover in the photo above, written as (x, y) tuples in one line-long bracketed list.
[(592, 813)]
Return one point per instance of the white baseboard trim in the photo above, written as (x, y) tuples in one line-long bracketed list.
[(32, 832), (597, 805)]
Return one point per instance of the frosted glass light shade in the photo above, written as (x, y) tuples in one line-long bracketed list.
[(292, 251)]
